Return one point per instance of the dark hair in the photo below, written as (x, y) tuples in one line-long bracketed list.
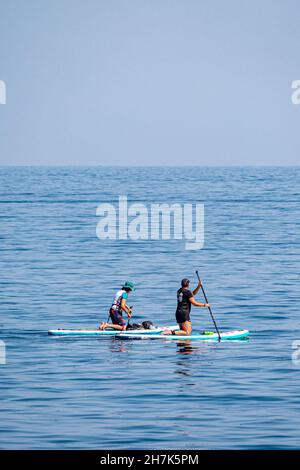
[(185, 282)]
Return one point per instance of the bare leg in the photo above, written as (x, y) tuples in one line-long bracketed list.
[(185, 329), (105, 325)]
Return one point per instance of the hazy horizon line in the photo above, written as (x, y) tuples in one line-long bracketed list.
[(146, 165)]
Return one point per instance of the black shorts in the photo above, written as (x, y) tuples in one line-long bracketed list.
[(182, 317)]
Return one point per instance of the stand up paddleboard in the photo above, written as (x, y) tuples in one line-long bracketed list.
[(227, 335), (109, 332)]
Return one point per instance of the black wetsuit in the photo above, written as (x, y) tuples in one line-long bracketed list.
[(183, 305)]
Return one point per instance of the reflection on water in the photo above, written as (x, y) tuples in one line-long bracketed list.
[(118, 346), (185, 347)]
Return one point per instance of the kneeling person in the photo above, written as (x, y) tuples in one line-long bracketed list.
[(185, 300), (118, 307)]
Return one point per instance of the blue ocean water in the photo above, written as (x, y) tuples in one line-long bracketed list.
[(108, 394)]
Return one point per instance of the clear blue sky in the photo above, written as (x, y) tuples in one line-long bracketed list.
[(134, 82)]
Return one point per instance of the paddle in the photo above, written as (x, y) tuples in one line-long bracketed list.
[(211, 314), (131, 307)]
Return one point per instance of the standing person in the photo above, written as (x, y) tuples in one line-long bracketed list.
[(185, 300), (118, 307)]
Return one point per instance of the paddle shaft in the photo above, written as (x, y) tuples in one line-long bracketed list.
[(211, 314)]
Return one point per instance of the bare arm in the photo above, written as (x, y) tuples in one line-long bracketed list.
[(195, 291), (125, 308), (198, 304)]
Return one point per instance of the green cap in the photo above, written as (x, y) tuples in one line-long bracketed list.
[(128, 285)]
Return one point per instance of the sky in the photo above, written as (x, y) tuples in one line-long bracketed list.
[(149, 82)]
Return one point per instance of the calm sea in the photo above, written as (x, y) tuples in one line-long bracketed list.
[(106, 393)]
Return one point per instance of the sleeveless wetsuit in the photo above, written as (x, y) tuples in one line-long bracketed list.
[(183, 305)]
